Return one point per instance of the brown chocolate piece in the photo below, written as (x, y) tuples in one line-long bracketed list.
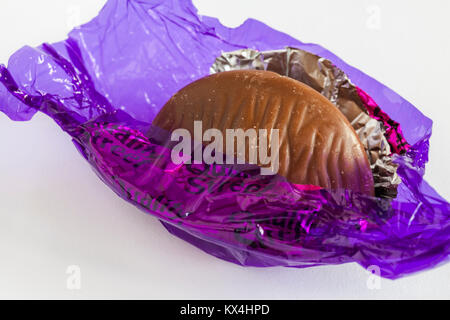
[(318, 146)]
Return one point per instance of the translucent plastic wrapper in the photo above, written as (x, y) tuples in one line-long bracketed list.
[(109, 79)]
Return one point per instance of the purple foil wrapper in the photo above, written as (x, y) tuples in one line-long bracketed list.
[(107, 81)]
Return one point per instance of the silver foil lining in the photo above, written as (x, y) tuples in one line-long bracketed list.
[(320, 74)]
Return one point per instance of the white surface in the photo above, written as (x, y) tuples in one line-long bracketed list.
[(55, 212)]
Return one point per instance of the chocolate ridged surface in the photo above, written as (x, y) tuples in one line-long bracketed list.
[(318, 146)]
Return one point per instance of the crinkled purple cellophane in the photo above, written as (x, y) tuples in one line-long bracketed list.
[(108, 80)]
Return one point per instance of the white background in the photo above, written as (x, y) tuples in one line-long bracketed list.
[(55, 212)]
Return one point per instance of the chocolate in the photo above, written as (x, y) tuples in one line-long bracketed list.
[(381, 136), (317, 146)]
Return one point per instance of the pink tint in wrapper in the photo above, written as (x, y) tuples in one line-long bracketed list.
[(393, 131), (108, 80)]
